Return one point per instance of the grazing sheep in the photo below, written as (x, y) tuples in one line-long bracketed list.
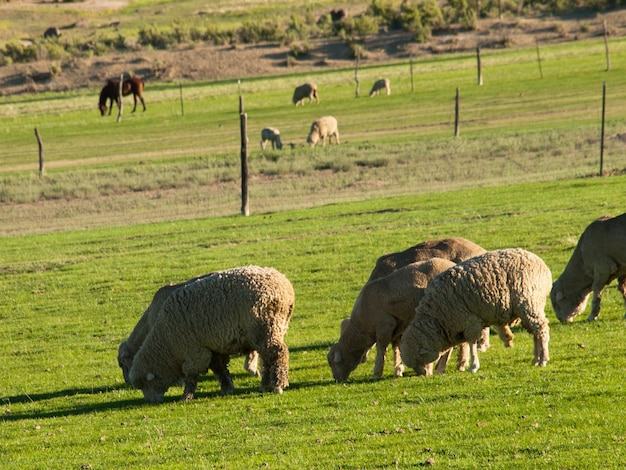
[(380, 314), (599, 257), (455, 249), (494, 288), (321, 128), (270, 134), (229, 312), (128, 348), (308, 90), (382, 84)]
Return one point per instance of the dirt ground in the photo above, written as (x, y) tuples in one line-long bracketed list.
[(210, 62)]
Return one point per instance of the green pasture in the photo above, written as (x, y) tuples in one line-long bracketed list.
[(70, 298), (521, 174), (513, 100)]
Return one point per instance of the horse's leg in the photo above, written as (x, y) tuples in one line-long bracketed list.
[(142, 102), (135, 100)]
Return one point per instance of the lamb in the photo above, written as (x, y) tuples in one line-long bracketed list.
[(271, 134), (494, 288), (229, 312), (382, 311), (321, 128), (382, 84), (307, 90), (129, 347), (599, 257)]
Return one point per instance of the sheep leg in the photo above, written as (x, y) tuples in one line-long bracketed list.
[(250, 363), (219, 366), (541, 351), (595, 302), (484, 342), (191, 382), (398, 367), (475, 363), (541, 337), (463, 359), (443, 362), (621, 286), (505, 334), (275, 375), (601, 277)]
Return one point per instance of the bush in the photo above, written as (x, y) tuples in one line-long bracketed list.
[(252, 32), (157, 38), (18, 52)]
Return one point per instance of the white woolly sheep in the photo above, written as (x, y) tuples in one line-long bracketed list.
[(302, 92), (271, 134), (229, 312), (321, 129), (382, 84), (129, 347), (494, 288), (599, 257), (382, 311)]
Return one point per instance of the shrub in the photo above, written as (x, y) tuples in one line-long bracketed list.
[(155, 37), (252, 32), (18, 52)]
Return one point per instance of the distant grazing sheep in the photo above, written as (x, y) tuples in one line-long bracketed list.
[(380, 314), (229, 312), (307, 90), (382, 84), (494, 288), (52, 32), (271, 134), (321, 129), (599, 257), (129, 347)]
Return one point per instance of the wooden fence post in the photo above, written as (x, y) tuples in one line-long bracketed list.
[(120, 100), (606, 46), (356, 73), (40, 143), (457, 107), (243, 119), (182, 106), (480, 67), (538, 58), (602, 129), (411, 64)]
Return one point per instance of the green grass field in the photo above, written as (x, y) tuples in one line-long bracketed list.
[(79, 263), (72, 297)]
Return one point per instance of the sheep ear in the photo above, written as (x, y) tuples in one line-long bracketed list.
[(150, 376), (559, 296), (337, 357)]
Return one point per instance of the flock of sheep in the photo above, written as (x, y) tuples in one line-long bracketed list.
[(424, 301), (322, 128)]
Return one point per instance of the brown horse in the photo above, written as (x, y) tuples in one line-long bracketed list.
[(110, 92)]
